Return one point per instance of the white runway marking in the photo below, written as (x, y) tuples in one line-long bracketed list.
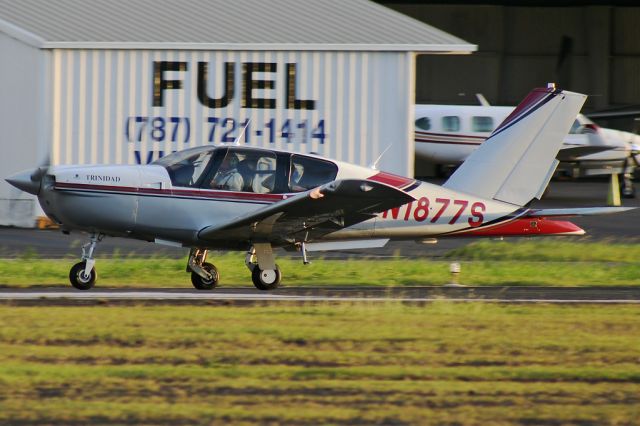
[(252, 296)]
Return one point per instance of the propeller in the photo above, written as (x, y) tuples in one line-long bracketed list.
[(563, 63), (30, 180)]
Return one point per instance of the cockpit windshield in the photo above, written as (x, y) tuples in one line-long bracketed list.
[(246, 170), (186, 167)]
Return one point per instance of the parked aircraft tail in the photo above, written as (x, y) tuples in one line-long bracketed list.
[(517, 161)]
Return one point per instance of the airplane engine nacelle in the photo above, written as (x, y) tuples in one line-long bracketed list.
[(92, 198)]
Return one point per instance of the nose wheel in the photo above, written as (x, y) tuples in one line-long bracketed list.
[(81, 279), (203, 283), (83, 274), (204, 276)]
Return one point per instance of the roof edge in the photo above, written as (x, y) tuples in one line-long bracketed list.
[(422, 48), (21, 34)]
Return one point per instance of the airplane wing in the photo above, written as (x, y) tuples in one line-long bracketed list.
[(313, 213), (573, 153)]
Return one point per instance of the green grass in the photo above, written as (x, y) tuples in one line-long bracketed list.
[(550, 250), (444, 363), (542, 262)]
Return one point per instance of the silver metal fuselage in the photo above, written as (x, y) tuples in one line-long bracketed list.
[(140, 202)]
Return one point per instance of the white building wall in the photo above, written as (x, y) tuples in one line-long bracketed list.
[(103, 104), (97, 106), (22, 125)]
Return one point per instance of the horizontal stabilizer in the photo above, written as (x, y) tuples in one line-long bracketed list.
[(580, 211), (514, 164), (573, 153)]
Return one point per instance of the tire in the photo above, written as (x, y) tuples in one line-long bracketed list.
[(78, 278), (266, 279), (628, 191), (203, 284)]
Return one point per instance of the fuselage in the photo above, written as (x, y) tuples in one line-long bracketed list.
[(156, 202)]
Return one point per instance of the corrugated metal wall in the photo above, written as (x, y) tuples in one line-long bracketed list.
[(21, 125), (357, 103)]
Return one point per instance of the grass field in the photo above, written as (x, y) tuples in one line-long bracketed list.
[(541, 262), (443, 363)]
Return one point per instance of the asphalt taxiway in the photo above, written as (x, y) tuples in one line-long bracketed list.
[(554, 295)]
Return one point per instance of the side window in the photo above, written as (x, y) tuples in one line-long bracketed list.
[(265, 177), (482, 124), (227, 176), (423, 123), (307, 173), (246, 170), (451, 123)]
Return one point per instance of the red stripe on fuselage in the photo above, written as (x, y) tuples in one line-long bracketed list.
[(199, 193), (448, 142), (449, 135), (448, 139)]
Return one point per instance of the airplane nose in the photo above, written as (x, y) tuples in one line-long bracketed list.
[(27, 180)]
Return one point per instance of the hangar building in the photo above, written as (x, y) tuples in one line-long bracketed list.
[(126, 81), (590, 47)]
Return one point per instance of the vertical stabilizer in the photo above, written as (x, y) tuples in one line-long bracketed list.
[(515, 163)]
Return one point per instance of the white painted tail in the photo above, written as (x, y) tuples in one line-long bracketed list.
[(517, 161)]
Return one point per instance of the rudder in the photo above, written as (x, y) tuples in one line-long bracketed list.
[(517, 161)]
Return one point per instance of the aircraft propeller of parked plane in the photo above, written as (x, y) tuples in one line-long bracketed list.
[(255, 199)]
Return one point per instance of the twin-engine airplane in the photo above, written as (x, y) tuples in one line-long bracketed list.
[(446, 135), (240, 198)]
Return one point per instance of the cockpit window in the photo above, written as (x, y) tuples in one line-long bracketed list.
[(245, 170), (186, 167), (423, 123), (307, 173), (576, 128)]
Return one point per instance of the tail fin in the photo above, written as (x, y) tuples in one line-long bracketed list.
[(517, 161)]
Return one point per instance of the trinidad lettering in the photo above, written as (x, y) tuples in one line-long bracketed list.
[(100, 178)]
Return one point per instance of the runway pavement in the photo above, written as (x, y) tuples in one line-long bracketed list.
[(555, 295)]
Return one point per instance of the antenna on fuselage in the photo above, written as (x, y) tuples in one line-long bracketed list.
[(374, 165), (483, 101), (237, 141)]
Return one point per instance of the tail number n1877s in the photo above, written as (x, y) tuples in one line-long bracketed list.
[(439, 211)]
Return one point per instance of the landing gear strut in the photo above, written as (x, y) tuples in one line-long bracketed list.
[(265, 274), (83, 274), (204, 276)]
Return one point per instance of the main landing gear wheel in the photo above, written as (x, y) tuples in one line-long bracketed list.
[(79, 279), (203, 283), (267, 279)]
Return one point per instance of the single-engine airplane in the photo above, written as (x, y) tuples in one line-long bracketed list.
[(255, 199)]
